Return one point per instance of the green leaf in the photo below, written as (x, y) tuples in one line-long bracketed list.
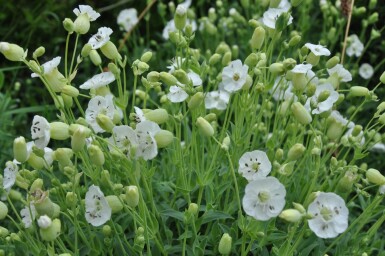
[(210, 216), (173, 214)]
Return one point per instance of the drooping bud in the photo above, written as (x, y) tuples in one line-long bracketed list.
[(146, 57), (214, 59), (110, 51), (96, 155), (300, 113), (164, 138), (225, 244), (38, 52), (115, 203), (70, 91), (3, 210), (95, 58), (12, 52), (359, 91), (68, 25), (59, 130), (196, 100), (50, 233), (277, 68), (180, 17), (204, 127), (295, 40), (20, 149), (257, 38), (167, 78), (291, 215), (105, 122), (131, 196), (374, 176)]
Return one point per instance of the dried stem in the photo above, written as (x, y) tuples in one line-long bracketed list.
[(347, 31)]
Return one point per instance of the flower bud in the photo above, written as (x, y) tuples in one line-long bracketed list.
[(59, 130), (78, 139), (3, 233), (44, 205), (335, 130), (289, 64), (357, 129), (107, 230), (131, 196), (167, 78), (196, 100), (38, 52), (95, 58), (20, 149), (164, 138), (300, 113), (146, 57), (287, 169), (299, 207), (291, 215), (63, 156), (180, 17), (82, 24), (382, 77), (204, 127), (3, 210), (214, 59), (345, 184), (359, 91), (374, 176), (52, 232), (277, 68), (226, 58), (181, 75), (153, 76), (44, 222), (224, 247), (96, 155), (226, 143), (69, 25), (12, 52), (87, 48), (373, 18), (251, 60), (294, 40), (37, 184), (296, 152), (70, 91), (71, 199), (115, 203), (105, 122), (312, 59), (257, 38), (110, 51)]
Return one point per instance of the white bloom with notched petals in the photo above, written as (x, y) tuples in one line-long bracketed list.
[(170, 27), (100, 38), (355, 46), (127, 19), (86, 9), (195, 79), (217, 99), (145, 133), (28, 215), (271, 15), (98, 80), (234, 76), (9, 177), (330, 215), (40, 131), (301, 68), (264, 198), (139, 115), (124, 138), (99, 105), (98, 211), (366, 71), (49, 66), (322, 105), (318, 50), (254, 165), (343, 74), (177, 94)]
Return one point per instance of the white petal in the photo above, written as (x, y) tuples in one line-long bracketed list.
[(98, 211), (100, 38), (98, 80), (127, 18), (177, 94), (86, 9)]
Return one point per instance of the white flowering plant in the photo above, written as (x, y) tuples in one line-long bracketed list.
[(247, 139)]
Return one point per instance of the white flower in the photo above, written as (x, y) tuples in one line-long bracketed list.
[(44, 222), (381, 189), (284, 5), (378, 147), (49, 66), (9, 177), (100, 38), (127, 19), (254, 165), (341, 72), (186, 4), (355, 46), (28, 215), (98, 80), (99, 105), (318, 50), (301, 68), (139, 115), (170, 27), (271, 15), (217, 99), (194, 78), (282, 90), (264, 198), (124, 138), (366, 71), (176, 63), (145, 132), (322, 105), (340, 119), (330, 215), (98, 211), (177, 94), (86, 9), (234, 76), (40, 131), (48, 157)]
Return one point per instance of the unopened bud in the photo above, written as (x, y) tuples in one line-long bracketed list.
[(164, 138), (205, 127), (12, 52), (196, 100), (374, 176), (180, 17), (225, 244), (59, 130), (131, 196), (52, 232), (82, 24), (226, 143), (296, 152), (214, 59), (105, 122), (110, 51), (294, 40), (277, 68), (20, 149), (258, 38), (96, 155), (146, 57), (181, 75), (3, 210), (167, 78), (158, 115), (78, 139), (38, 52), (95, 57), (226, 58), (70, 91), (359, 91), (291, 215), (251, 60), (115, 203), (300, 113), (382, 77), (68, 25)]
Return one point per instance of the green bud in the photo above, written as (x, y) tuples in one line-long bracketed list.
[(251, 60), (211, 117), (115, 203), (158, 115), (375, 177), (235, 51), (357, 129), (223, 48), (295, 40), (177, 38), (68, 25), (153, 76), (44, 205), (289, 64), (167, 78), (63, 156), (257, 38), (277, 68), (291, 215), (182, 77), (146, 57), (287, 169), (299, 207), (226, 143), (3, 210), (52, 232), (359, 11), (332, 62), (131, 196), (248, 83), (12, 52), (204, 127), (82, 24), (87, 48), (95, 58), (71, 198), (300, 113), (296, 152), (105, 122), (37, 184), (382, 77), (110, 51), (15, 195), (59, 130), (180, 17), (164, 138), (359, 91), (20, 149), (226, 58), (224, 247), (345, 184), (114, 69), (78, 140), (3, 233), (196, 100), (38, 52), (373, 18), (313, 59), (214, 59), (372, 4), (70, 91), (107, 230), (96, 155)]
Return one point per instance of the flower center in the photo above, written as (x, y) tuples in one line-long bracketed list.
[(263, 196), (326, 213), (236, 76), (255, 166)]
